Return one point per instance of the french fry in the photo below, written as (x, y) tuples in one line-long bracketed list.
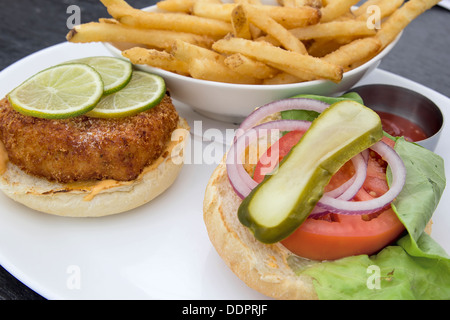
[(282, 78), (169, 21), (249, 67), (185, 6), (288, 17), (115, 32), (108, 20), (401, 18), (336, 8), (333, 29), (293, 62), (353, 52), (247, 1), (362, 9), (293, 17), (386, 8), (176, 5), (207, 69), (220, 11), (156, 58), (300, 3), (269, 39), (299, 74), (119, 3), (187, 52), (264, 22), (240, 23)]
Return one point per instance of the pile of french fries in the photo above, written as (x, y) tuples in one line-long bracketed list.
[(247, 42)]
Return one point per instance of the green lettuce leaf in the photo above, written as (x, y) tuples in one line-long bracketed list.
[(311, 115), (415, 205), (390, 275)]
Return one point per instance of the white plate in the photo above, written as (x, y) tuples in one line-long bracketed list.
[(445, 4), (158, 251)]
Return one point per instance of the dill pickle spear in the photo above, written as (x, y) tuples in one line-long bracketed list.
[(279, 204)]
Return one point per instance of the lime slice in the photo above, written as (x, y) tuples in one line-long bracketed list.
[(58, 92), (115, 72), (144, 91)]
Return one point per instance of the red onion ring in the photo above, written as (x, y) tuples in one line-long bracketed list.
[(277, 106), (365, 207), (350, 188), (360, 176), (239, 178)]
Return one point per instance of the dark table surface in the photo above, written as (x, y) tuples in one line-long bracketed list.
[(27, 26)]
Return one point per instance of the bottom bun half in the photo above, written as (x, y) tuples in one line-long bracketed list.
[(262, 267), (96, 199)]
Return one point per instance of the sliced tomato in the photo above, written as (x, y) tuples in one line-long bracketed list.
[(270, 159), (336, 236), (343, 236)]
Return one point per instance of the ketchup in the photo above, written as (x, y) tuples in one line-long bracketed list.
[(398, 126)]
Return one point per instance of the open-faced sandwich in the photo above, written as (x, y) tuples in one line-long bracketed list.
[(332, 208)]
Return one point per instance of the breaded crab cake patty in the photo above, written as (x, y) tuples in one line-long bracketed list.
[(85, 148)]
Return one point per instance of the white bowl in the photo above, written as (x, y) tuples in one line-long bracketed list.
[(233, 102)]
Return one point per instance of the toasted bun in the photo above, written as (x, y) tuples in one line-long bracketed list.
[(262, 267), (100, 198)]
